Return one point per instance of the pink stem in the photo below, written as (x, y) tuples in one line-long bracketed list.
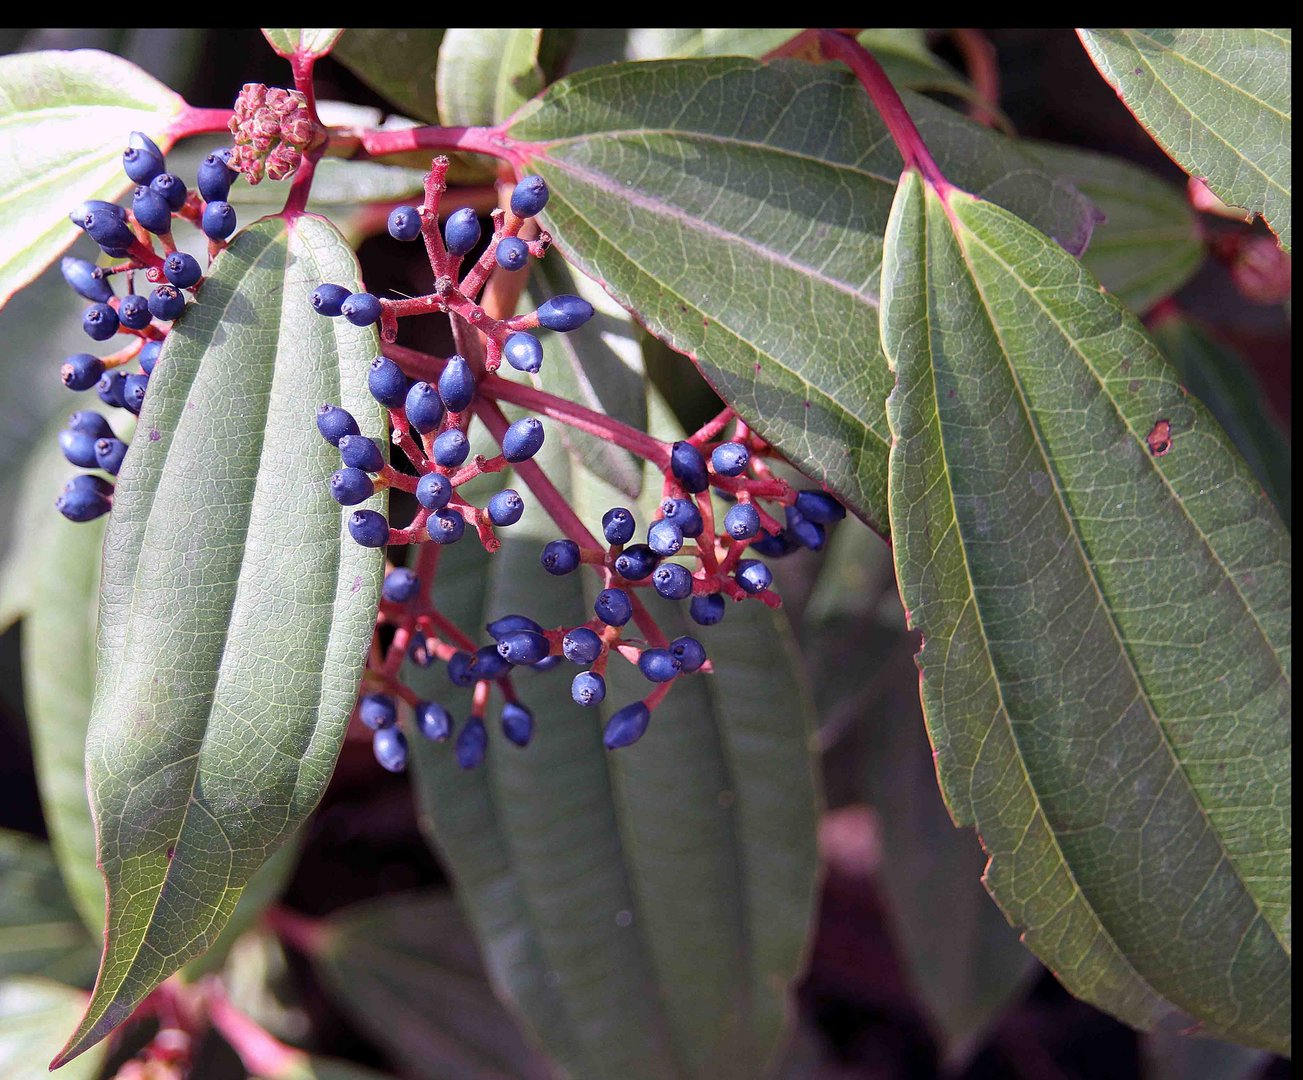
[(261, 1053), (193, 121), (482, 140)]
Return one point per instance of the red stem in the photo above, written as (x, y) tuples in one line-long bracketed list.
[(980, 61), (261, 1053), (482, 140), (193, 121)]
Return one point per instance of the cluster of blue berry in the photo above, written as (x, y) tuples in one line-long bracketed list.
[(89, 441)]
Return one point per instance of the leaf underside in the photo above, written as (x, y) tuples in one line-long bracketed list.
[(1106, 626)]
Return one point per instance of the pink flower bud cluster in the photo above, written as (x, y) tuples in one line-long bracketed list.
[(272, 129)]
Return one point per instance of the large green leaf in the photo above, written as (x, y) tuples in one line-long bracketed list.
[(1104, 597), (398, 64), (738, 208), (40, 933), (64, 122), (306, 42), (645, 910), (1217, 100), (34, 1015), (485, 75), (235, 612)]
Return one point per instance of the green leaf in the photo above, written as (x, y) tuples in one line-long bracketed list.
[(485, 75), (397, 64), (34, 1014), (1217, 101), (235, 611), (40, 932), (67, 116), (692, 188), (406, 969), (1106, 627), (302, 42), (1149, 245), (646, 910)]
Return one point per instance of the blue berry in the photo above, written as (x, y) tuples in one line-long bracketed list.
[(390, 748), (581, 645), (361, 309), (461, 231), (149, 356), (512, 253), (564, 313), (522, 440), (133, 312), (170, 188), (809, 534), (81, 371), (665, 538), (456, 384), (742, 521), (82, 279), (523, 647), (524, 352), (684, 514), (405, 223), (215, 176), (613, 607), (328, 299), (88, 482), (730, 459), (150, 209), (471, 743), (753, 575), (166, 302), (588, 688), (377, 711), (547, 663), (359, 452), (142, 163), (689, 466), (433, 720), (499, 628), (109, 454), (627, 726), (819, 506), (489, 664), (517, 723), (401, 585), (83, 503), (218, 220), (445, 526), (775, 545), (110, 388), (182, 270), (423, 407), (433, 491), (420, 650), (368, 528), (133, 393), (388, 384), (707, 610), (560, 557), (672, 581), (100, 322), (109, 231), (636, 562), (529, 196), (141, 141), (348, 487), (78, 447), (618, 525), (334, 423), (451, 448), (91, 423), (689, 652), (658, 665), (506, 507), (462, 669), (84, 209)]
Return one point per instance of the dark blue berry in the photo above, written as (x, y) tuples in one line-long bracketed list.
[(489, 664), (689, 652), (753, 575), (775, 545), (78, 503), (456, 384), (388, 384), (150, 209), (819, 506), (730, 459), (684, 514), (627, 726), (564, 313), (445, 526), (81, 371), (110, 388), (361, 309), (423, 407), (517, 723), (166, 302), (405, 223), (328, 299), (581, 645), (658, 665), (215, 176), (742, 521), (182, 270), (560, 557), (133, 312), (433, 720), (140, 141), (451, 448), (348, 487), (707, 610), (359, 452), (109, 231), (672, 581), (219, 220), (689, 466), (462, 669), (78, 447), (401, 585), (82, 279), (100, 322), (88, 482), (461, 231), (506, 507), (547, 663), (433, 491), (109, 454), (522, 440), (512, 253), (523, 647), (498, 628), (588, 688), (809, 534), (334, 423), (368, 528), (91, 423), (421, 650), (618, 525), (133, 393), (524, 352), (170, 188), (471, 743), (84, 209), (636, 562), (149, 356), (529, 196), (142, 164), (390, 748), (664, 537), (377, 711), (613, 607)]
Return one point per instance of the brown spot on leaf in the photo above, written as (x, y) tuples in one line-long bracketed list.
[(357, 583), (1160, 438), (1126, 365), (1133, 385), (155, 434), (950, 393), (171, 854)]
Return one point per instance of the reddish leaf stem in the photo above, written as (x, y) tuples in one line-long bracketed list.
[(482, 140), (193, 121), (980, 62)]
